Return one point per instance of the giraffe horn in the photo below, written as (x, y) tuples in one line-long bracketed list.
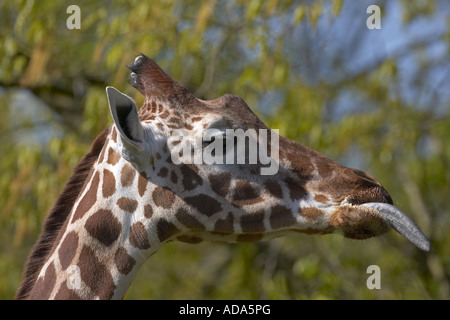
[(401, 223), (147, 77)]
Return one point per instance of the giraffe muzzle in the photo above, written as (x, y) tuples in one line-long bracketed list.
[(400, 222)]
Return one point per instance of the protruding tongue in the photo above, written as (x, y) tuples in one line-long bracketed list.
[(401, 223)]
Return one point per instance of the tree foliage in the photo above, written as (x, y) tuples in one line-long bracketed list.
[(373, 99)]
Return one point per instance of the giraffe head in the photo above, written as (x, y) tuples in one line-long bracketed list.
[(219, 173)]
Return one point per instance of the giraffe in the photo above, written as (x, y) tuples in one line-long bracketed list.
[(127, 197)]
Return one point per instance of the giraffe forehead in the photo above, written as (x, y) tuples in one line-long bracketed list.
[(227, 111), (189, 118)]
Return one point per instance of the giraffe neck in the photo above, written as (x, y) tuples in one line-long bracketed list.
[(99, 250), (80, 270), (103, 241)]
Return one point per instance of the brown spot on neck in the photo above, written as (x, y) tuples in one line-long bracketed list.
[(127, 175), (296, 192), (109, 183), (163, 197), (138, 236), (243, 190), (165, 230), (124, 262), (127, 204), (244, 194), (189, 220), (299, 157), (253, 222), (310, 214), (274, 188), (68, 249), (225, 226), (148, 211), (104, 227), (88, 199), (190, 178), (142, 183), (163, 172), (173, 177), (100, 282), (220, 183), (204, 204), (113, 157), (41, 288), (281, 217), (321, 198)]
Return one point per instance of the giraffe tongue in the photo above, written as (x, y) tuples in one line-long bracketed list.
[(401, 223)]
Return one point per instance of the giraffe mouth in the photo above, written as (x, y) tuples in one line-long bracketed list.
[(400, 222)]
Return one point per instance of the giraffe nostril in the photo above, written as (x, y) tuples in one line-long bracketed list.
[(368, 189), (364, 175), (372, 194)]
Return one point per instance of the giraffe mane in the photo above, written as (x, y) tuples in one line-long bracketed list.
[(58, 215)]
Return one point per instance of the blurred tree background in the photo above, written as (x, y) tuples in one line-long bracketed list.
[(377, 100)]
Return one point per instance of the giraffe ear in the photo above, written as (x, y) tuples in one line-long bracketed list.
[(125, 116)]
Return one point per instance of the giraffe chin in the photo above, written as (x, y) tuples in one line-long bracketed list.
[(356, 222), (400, 222)]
